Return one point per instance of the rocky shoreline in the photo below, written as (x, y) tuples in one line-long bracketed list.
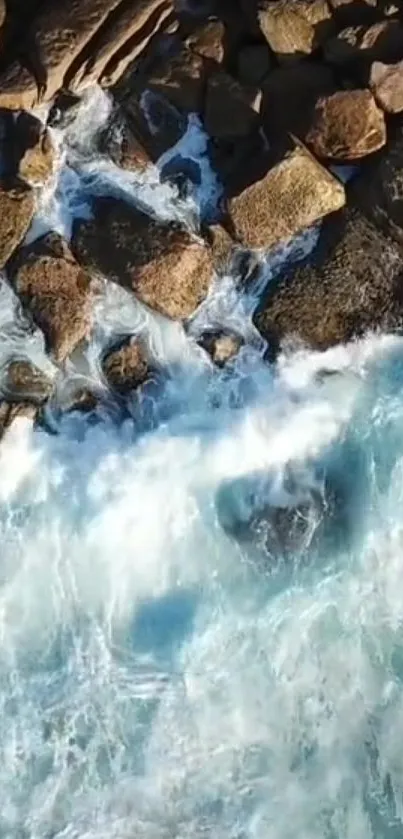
[(287, 91)]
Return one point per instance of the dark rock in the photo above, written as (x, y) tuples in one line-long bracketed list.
[(346, 126), (17, 207), (181, 78), (231, 110), (356, 12), (127, 366), (221, 345), (253, 64), (294, 194), (208, 40), (353, 283), (166, 267), (386, 83), (64, 109), (358, 46), (378, 190), (290, 95), (119, 142), (294, 28), (33, 149), (23, 382), (161, 128), (55, 291)]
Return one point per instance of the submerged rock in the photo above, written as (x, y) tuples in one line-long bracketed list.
[(346, 126), (378, 190), (127, 366), (165, 266), (221, 345)]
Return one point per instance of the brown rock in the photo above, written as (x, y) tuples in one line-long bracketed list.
[(167, 268), (208, 40), (253, 64), (55, 291), (294, 194), (346, 126), (290, 95), (230, 110), (386, 83), (120, 42), (18, 88), (221, 245), (24, 382), (124, 148), (222, 346), (33, 148), (17, 207), (159, 130), (294, 28), (361, 45), (181, 78), (354, 285), (127, 367), (10, 412)]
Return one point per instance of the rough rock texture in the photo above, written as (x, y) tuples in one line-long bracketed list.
[(294, 194), (253, 63), (17, 206), (294, 28), (221, 345), (231, 110), (355, 284), (346, 126), (18, 88), (386, 83), (55, 291), (160, 129), (361, 45), (127, 366), (208, 40), (121, 144), (33, 149), (181, 78), (118, 44), (290, 95), (167, 268), (221, 245), (351, 12), (378, 190), (23, 382)]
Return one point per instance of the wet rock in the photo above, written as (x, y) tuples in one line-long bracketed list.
[(359, 46), (119, 142), (294, 193), (290, 95), (231, 110), (221, 245), (378, 190), (386, 83), (127, 367), (253, 64), (17, 207), (18, 88), (55, 291), (208, 40), (181, 78), (166, 267), (183, 173), (64, 109), (155, 124), (294, 28), (121, 41), (33, 149), (221, 345), (346, 126), (23, 382), (9, 412), (353, 283)]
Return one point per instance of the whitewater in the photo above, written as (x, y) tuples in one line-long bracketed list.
[(167, 669)]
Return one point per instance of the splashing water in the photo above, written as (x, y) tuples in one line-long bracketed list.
[(159, 676)]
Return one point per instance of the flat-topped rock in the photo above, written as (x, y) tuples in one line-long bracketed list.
[(294, 194), (346, 126), (386, 83), (17, 207), (55, 291), (166, 267), (294, 28), (354, 283), (127, 366)]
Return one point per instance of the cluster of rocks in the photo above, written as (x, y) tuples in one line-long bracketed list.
[(285, 89)]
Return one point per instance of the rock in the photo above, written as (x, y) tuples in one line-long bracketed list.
[(294, 194), (80, 399), (161, 128), (119, 142), (17, 207), (253, 64), (182, 172), (33, 149), (10, 412), (165, 266), (55, 291), (18, 88), (127, 366), (290, 95), (352, 13), (361, 45), (64, 110), (386, 83), (221, 245), (353, 283), (346, 126), (181, 78), (294, 28), (230, 110), (119, 43), (241, 161), (23, 382), (208, 40), (222, 346), (378, 190)]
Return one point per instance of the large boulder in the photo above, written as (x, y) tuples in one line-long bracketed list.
[(354, 283), (294, 28), (294, 194), (181, 78), (378, 190), (290, 94), (18, 87), (231, 110), (127, 366), (17, 207), (24, 382), (166, 267), (55, 291), (356, 47), (386, 83), (346, 126), (32, 149)]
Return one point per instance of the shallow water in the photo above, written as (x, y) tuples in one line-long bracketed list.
[(159, 677)]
